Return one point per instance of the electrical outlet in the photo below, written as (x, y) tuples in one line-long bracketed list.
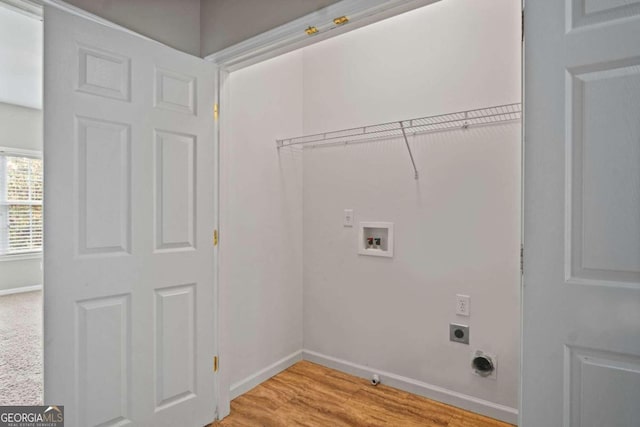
[(463, 305), (459, 333), (348, 218)]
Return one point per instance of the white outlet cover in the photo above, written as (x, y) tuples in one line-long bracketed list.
[(463, 305), (347, 220)]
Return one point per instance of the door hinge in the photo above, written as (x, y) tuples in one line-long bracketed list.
[(215, 111), (215, 237), (522, 26), (215, 363), (521, 259), (341, 20)]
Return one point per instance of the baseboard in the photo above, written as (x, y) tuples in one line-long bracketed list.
[(20, 290), (252, 381), (460, 400)]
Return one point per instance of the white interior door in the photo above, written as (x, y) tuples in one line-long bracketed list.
[(581, 353), (129, 159)]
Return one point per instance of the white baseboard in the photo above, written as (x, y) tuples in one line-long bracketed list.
[(460, 400), (20, 290), (250, 382)]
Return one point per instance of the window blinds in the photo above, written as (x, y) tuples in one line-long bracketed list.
[(20, 205)]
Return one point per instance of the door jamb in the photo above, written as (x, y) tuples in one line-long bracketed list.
[(522, 214)]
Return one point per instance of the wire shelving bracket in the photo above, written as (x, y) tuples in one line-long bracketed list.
[(400, 129)]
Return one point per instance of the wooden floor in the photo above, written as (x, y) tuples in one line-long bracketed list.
[(311, 395)]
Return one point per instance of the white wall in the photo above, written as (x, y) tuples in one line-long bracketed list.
[(21, 128), (20, 273), (174, 23), (20, 59), (261, 218), (448, 56), (457, 229)]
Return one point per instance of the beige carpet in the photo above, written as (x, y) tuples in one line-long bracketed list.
[(21, 349)]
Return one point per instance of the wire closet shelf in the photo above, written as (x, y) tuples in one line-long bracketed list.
[(442, 122)]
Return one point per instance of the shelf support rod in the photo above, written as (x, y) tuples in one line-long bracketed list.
[(406, 141)]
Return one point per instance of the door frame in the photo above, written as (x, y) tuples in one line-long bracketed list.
[(285, 39)]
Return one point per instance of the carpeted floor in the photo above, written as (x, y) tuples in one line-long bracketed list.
[(21, 349)]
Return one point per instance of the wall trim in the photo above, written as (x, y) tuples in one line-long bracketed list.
[(261, 376), (24, 7), (20, 290), (20, 152), (21, 257), (449, 397), (292, 36)]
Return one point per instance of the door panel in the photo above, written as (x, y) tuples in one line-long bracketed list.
[(103, 360), (104, 180), (129, 155), (175, 173), (175, 344), (581, 311)]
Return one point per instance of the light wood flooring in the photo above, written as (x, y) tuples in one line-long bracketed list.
[(311, 395)]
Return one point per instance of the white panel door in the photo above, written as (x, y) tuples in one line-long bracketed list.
[(129, 214), (581, 350)]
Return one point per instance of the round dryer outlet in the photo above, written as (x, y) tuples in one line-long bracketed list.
[(484, 364)]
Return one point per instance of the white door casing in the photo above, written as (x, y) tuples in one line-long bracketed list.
[(129, 214), (581, 295)]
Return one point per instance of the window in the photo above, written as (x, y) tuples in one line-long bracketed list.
[(20, 204)]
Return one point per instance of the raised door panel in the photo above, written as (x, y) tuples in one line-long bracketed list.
[(589, 12), (175, 191), (103, 361), (175, 345), (597, 380), (104, 186), (104, 74), (175, 91), (604, 153)]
